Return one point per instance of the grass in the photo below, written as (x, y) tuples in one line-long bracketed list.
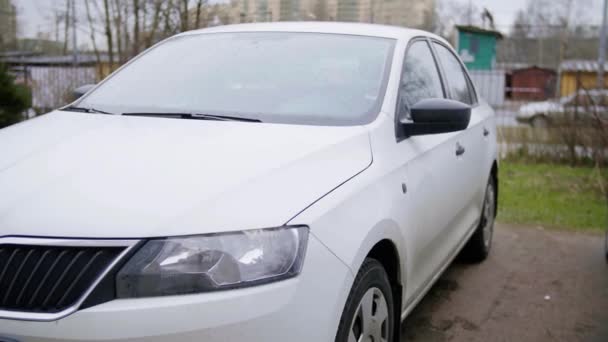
[(552, 196)]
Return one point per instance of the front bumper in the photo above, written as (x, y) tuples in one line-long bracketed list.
[(305, 308)]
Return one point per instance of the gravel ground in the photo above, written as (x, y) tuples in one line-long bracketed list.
[(537, 285)]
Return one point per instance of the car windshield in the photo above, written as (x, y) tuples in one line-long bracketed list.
[(298, 78)]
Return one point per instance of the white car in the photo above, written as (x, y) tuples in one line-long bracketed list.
[(259, 182), (586, 105)]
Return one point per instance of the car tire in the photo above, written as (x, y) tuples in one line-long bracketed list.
[(369, 309), (478, 247)]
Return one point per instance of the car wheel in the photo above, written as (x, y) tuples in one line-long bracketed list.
[(478, 247), (368, 314), (540, 121)]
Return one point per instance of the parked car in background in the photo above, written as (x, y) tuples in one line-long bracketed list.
[(582, 106), (260, 182)]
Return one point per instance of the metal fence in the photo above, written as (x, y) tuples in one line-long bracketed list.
[(540, 120), (527, 103), (52, 86)]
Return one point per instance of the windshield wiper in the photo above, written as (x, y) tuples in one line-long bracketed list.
[(194, 116), (84, 110)]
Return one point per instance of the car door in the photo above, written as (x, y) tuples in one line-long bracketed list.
[(473, 143), (430, 173)]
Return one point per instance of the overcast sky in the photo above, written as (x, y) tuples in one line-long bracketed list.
[(36, 15)]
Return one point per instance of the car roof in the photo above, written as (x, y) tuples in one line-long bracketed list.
[(361, 29)]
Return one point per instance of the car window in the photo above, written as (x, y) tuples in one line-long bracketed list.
[(454, 73), (420, 78), (279, 77)]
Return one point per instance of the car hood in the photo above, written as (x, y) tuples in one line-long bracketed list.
[(534, 108), (71, 174)]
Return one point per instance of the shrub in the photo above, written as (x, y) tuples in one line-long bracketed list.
[(14, 98)]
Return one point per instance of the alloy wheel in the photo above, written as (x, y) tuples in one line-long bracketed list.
[(488, 216), (371, 320)]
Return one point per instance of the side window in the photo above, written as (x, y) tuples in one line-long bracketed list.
[(454, 73), (420, 78)]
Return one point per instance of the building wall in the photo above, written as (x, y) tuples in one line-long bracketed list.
[(478, 51), (587, 80), (490, 85), (533, 84), (348, 10), (8, 25), (52, 86), (409, 13), (406, 13)]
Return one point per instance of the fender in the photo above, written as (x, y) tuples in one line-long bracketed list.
[(350, 205)]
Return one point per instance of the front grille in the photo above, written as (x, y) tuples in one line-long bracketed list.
[(49, 279)]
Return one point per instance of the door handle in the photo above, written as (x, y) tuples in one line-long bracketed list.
[(485, 132), (459, 150)]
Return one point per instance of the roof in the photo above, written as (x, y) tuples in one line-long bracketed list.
[(479, 30), (54, 60), (361, 29), (14, 53), (508, 66), (533, 67), (581, 65)]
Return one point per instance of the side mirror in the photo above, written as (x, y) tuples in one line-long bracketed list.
[(78, 92), (434, 116)]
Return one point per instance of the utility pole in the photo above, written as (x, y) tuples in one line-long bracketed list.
[(66, 26), (541, 48), (74, 40), (602, 53), (470, 13), (57, 22)]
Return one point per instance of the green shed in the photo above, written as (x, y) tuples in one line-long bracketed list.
[(477, 47)]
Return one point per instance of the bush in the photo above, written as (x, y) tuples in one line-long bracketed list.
[(14, 99), (576, 135)]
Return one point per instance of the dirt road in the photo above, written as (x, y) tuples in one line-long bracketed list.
[(537, 285)]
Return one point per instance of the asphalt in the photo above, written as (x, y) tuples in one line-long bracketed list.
[(537, 285)]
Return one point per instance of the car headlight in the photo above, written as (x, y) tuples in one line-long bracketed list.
[(213, 262)]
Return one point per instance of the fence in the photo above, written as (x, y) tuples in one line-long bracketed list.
[(536, 117), (537, 121), (490, 85), (52, 86)]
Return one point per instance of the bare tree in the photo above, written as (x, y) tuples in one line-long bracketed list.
[(66, 24), (108, 30), (92, 34), (448, 13), (156, 18), (126, 42), (199, 7), (547, 32), (564, 21), (167, 13), (183, 15), (521, 26), (132, 25), (320, 10), (118, 28), (600, 125), (136, 15)]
